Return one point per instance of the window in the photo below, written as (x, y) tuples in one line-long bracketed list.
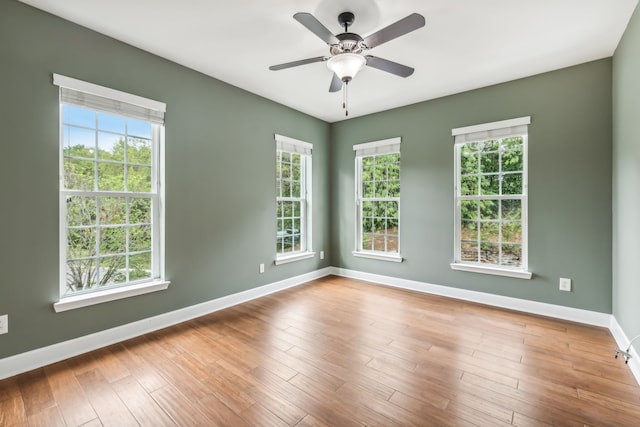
[(491, 198), (110, 199), (378, 200), (293, 199)]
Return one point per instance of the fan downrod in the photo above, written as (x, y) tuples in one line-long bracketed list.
[(346, 20)]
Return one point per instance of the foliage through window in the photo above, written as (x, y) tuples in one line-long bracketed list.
[(109, 197), (378, 197), (293, 188), (491, 198)]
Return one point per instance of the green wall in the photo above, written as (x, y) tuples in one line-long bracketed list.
[(626, 180), (569, 185), (220, 179), (219, 183)]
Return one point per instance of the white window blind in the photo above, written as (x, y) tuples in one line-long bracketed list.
[(100, 98), (494, 130), (291, 145), (385, 146)]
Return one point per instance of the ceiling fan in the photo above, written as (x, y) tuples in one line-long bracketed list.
[(347, 50)]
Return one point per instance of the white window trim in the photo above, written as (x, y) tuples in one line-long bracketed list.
[(286, 259), (385, 146), (377, 255), (305, 149), (500, 129), (113, 293)]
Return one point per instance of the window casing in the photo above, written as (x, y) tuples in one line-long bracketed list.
[(491, 198), (377, 171), (293, 199), (111, 222)]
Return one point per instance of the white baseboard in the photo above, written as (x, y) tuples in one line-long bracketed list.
[(623, 342), (37, 358), (43, 356), (544, 309)]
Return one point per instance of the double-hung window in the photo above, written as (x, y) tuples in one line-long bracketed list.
[(293, 199), (378, 200), (491, 198), (111, 227)]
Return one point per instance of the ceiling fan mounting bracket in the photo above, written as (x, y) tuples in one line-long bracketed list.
[(346, 20)]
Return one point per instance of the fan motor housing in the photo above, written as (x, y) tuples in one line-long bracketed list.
[(349, 42)]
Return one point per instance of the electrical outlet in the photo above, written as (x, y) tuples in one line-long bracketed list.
[(321, 254), (565, 284), (261, 268), (4, 324)]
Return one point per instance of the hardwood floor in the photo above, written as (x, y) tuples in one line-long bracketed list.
[(339, 352)]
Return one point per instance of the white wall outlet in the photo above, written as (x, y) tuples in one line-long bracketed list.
[(4, 324), (565, 284), (261, 268), (321, 254)]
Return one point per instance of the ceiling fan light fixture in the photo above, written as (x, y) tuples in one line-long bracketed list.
[(346, 65)]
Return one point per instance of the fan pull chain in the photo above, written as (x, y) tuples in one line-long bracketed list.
[(345, 101)]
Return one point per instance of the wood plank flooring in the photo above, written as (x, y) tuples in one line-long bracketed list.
[(339, 352)]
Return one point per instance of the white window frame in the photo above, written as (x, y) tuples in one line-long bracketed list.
[(102, 99), (367, 149), (305, 150), (477, 133)]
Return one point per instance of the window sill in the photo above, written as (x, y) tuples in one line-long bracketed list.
[(378, 256), (93, 298), (518, 274), (292, 258)]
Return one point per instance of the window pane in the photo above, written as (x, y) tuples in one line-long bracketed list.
[(79, 142), (512, 161), (140, 211), (490, 185), (512, 255), (392, 244), (110, 176), (368, 189), (139, 179), (512, 232), (140, 266), (489, 209), (113, 240), (112, 270), (392, 210), (140, 238), (81, 242), (367, 241), (469, 163), (380, 171), (489, 232), (512, 183), (79, 174), (295, 171), (469, 252), (139, 151), (394, 188), (511, 209), (110, 147), (139, 128), (113, 210), (367, 209), (394, 171), (381, 189), (78, 116), (81, 211), (490, 253), (111, 123), (490, 162), (469, 230), (81, 275), (469, 186), (469, 209), (295, 189)]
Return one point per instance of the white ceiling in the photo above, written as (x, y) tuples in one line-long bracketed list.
[(466, 44)]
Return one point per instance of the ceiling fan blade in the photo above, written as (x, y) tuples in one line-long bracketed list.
[(389, 66), (395, 30), (316, 27), (336, 83), (296, 63)]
